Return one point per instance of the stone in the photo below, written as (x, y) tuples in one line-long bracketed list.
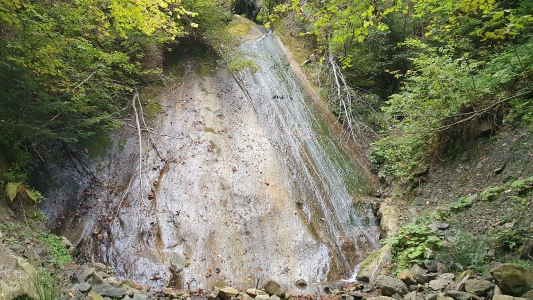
[(528, 295), (512, 279), (333, 289), (87, 273), (107, 290), (506, 297), (140, 297), (262, 297), (439, 284), (100, 267), (84, 287), (17, 248), (65, 242), (416, 270), (457, 295), (214, 294), (407, 277), (227, 292), (425, 278), (478, 287), (96, 278), (410, 296), (274, 297), (95, 296), (373, 264), (247, 297), (380, 298), (389, 285), (443, 226), (435, 266), (255, 292), (301, 284), (273, 288), (431, 296)]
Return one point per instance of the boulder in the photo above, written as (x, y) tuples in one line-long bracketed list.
[(380, 298), (407, 277), (273, 288), (439, 284), (425, 278), (528, 295), (84, 287), (512, 279), (374, 264), (255, 292), (227, 292), (107, 290), (457, 295), (416, 270), (435, 266), (506, 297), (390, 285), (478, 287)]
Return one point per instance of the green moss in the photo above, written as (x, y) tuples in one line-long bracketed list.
[(96, 145), (213, 146), (121, 144), (239, 27), (209, 129), (154, 107)]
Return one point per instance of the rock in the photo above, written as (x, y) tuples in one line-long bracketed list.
[(457, 295), (227, 292), (140, 297), (95, 296), (273, 288), (255, 292), (407, 277), (512, 279), (439, 284), (214, 294), (431, 296), (96, 278), (443, 226), (478, 287), (396, 296), (434, 266), (65, 242), (506, 297), (17, 248), (528, 295), (390, 285), (301, 284), (274, 297), (87, 273), (373, 265), (444, 298), (109, 291), (84, 287), (134, 285), (99, 267), (262, 297), (425, 278), (416, 270), (410, 296), (333, 289), (380, 298)]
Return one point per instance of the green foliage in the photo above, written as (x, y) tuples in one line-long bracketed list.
[(413, 242), (239, 63), (45, 285), (491, 193), (461, 203), (522, 186), (18, 188), (466, 249), (60, 252)]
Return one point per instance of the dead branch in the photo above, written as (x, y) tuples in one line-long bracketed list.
[(133, 104), (479, 112)]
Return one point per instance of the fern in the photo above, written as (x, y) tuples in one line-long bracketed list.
[(34, 195), (12, 189)]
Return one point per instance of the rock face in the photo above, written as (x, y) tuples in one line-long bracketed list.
[(512, 279), (390, 285)]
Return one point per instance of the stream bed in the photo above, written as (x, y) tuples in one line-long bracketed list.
[(243, 179)]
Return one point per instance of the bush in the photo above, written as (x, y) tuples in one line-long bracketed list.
[(413, 242)]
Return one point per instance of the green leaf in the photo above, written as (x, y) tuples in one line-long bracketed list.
[(12, 190)]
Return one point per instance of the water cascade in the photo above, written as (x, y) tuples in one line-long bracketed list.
[(242, 180)]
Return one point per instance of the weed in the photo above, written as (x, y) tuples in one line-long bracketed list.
[(462, 202), (465, 249), (60, 252), (414, 241), (491, 193), (39, 216)]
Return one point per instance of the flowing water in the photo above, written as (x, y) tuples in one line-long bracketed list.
[(242, 180)]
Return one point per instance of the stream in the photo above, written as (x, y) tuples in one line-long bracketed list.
[(244, 178)]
